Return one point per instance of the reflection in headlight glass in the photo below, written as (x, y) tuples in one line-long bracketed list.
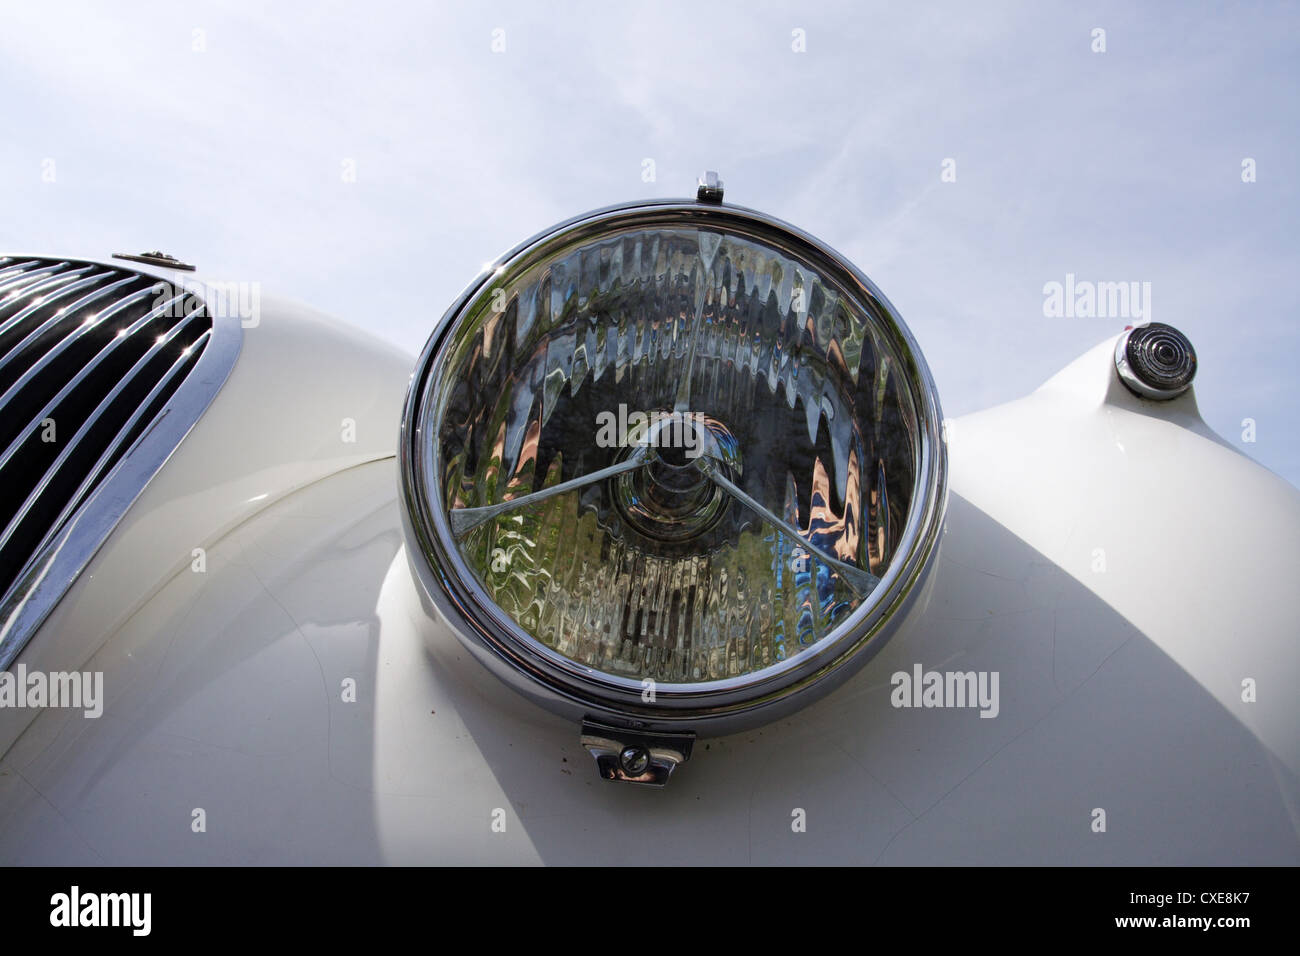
[(677, 352)]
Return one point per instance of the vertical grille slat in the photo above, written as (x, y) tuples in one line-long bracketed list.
[(37, 292), (13, 287), (139, 421), (80, 327), (23, 290), (15, 325), (10, 265), (33, 426), (96, 418), (21, 273), (102, 372)]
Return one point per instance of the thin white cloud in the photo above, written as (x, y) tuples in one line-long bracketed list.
[(1122, 165)]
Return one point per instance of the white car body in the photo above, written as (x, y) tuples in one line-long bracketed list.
[(1129, 576)]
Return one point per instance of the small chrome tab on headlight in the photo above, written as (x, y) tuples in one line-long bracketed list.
[(635, 757)]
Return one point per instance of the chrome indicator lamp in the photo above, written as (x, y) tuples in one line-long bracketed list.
[(671, 468), (1155, 361)]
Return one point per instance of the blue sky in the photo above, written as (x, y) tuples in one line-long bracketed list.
[(227, 147)]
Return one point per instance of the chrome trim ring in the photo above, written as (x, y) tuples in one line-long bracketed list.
[(578, 691), (65, 553)]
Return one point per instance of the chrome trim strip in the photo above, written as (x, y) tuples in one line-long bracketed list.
[(15, 265), (15, 285), (569, 688), (81, 284), (125, 430), (66, 452), (47, 280), (81, 376), (43, 362), (68, 549)]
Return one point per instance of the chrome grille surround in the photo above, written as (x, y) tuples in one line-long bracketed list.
[(565, 687), (103, 372)]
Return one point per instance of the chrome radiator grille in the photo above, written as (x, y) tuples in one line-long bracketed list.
[(93, 359)]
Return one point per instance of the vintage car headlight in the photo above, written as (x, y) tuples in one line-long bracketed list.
[(670, 468)]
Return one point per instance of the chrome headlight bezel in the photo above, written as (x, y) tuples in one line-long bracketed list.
[(578, 691)]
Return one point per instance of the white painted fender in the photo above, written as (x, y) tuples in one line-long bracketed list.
[(280, 422), (1121, 569)]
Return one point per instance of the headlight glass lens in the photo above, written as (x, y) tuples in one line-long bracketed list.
[(673, 453)]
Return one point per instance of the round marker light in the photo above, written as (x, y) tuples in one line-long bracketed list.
[(1155, 361), (671, 467)]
